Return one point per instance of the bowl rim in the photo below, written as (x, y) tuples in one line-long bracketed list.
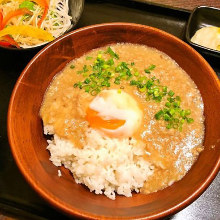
[(187, 35), (39, 46), (55, 202)]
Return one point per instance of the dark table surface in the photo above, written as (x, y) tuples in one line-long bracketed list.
[(185, 4), (16, 197)]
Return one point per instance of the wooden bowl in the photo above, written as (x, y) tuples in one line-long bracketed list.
[(28, 143)]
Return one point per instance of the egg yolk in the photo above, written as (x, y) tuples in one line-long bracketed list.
[(114, 114), (97, 122)]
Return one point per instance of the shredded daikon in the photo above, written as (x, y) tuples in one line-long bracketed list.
[(56, 22)]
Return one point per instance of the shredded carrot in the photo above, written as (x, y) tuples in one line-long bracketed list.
[(43, 16), (7, 40), (39, 2), (12, 14), (10, 40), (44, 4)]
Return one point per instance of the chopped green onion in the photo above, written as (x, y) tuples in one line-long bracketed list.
[(189, 120), (95, 92), (79, 72), (112, 53), (105, 66), (133, 82), (171, 93), (172, 111), (182, 121), (103, 72), (168, 104), (117, 81), (176, 104), (80, 85), (142, 89), (164, 88), (182, 113), (87, 89), (87, 81), (149, 69), (93, 85), (166, 117), (187, 112), (149, 83), (99, 56), (169, 126), (85, 68), (159, 114), (178, 98), (136, 74), (110, 62), (88, 58), (171, 99)]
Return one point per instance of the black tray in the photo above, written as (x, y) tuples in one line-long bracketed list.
[(16, 197)]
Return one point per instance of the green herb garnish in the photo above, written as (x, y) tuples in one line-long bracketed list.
[(103, 72), (88, 58), (85, 69), (171, 93), (112, 53), (173, 114), (149, 69)]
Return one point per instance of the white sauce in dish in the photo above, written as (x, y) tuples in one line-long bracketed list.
[(208, 37)]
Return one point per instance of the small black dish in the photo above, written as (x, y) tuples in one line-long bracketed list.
[(202, 16), (75, 11)]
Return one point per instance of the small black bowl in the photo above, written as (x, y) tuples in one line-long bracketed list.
[(202, 16), (75, 11)]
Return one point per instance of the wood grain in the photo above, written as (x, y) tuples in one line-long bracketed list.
[(185, 4)]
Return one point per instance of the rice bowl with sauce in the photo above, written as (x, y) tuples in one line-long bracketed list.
[(138, 128)]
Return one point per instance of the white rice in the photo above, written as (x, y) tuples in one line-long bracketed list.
[(104, 165), (59, 173)]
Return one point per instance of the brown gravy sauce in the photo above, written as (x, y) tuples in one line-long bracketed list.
[(171, 152)]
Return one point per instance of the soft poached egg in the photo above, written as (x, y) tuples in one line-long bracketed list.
[(115, 113)]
